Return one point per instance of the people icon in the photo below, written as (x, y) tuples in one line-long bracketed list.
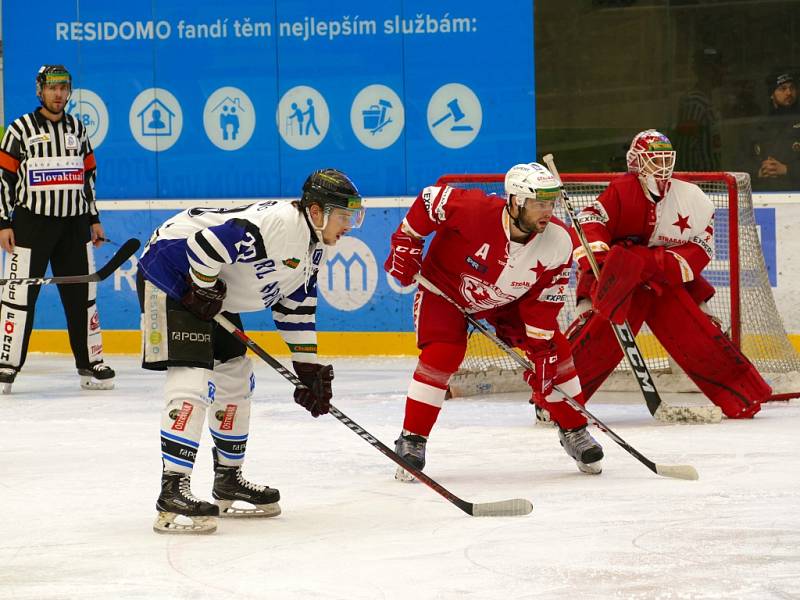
[(310, 114), (298, 115), (156, 122), (228, 117)]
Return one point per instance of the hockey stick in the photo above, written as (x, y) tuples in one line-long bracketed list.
[(627, 341), (124, 253), (676, 471), (502, 508)]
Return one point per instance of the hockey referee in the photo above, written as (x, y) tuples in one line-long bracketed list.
[(48, 215)]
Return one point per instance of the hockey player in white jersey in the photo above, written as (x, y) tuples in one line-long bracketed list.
[(245, 259)]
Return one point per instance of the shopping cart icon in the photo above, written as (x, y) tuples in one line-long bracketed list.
[(376, 117)]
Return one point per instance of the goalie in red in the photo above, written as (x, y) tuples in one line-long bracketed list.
[(507, 261), (653, 236)]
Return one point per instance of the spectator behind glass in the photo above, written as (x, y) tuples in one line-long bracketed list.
[(775, 151)]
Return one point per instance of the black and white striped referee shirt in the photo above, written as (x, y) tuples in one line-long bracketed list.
[(47, 167)]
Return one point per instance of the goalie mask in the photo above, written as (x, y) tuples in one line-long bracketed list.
[(530, 185), (651, 156)]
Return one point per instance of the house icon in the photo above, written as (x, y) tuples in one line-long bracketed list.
[(156, 118)]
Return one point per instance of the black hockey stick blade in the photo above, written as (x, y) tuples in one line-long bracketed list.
[(124, 253), (503, 508)]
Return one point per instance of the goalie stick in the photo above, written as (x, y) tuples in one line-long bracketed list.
[(627, 341), (501, 508), (124, 253), (675, 471)]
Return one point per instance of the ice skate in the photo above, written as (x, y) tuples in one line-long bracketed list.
[(176, 505), (582, 447), (231, 486), (411, 448), (7, 376), (98, 376)]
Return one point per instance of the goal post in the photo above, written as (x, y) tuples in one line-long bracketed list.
[(743, 302)]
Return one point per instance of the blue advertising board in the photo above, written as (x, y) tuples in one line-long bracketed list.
[(243, 99)]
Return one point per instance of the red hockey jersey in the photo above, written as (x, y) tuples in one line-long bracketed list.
[(682, 222), (473, 260)]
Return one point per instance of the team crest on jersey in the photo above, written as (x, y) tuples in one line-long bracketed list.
[(482, 295), (291, 262), (476, 265), (70, 141)]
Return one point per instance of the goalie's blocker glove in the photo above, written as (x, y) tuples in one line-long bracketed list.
[(316, 396)]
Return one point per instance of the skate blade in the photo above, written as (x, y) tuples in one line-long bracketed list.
[(167, 522), (249, 511), (594, 468), (87, 383), (5, 388), (402, 475)]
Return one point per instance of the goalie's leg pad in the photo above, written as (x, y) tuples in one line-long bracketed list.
[(595, 349), (707, 356), (182, 419), (229, 420)]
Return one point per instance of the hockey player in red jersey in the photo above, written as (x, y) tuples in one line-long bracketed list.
[(653, 236), (505, 260)]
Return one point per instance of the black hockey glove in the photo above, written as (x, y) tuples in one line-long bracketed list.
[(317, 378), (204, 303)]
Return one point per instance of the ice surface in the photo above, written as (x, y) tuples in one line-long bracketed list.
[(80, 478)]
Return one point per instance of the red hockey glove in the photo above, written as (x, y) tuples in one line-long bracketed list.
[(545, 367), (316, 396), (508, 325), (620, 277), (405, 257), (202, 302)]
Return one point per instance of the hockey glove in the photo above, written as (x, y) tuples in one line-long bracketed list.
[(405, 257), (204, 302), (316, 396), (542, 378)]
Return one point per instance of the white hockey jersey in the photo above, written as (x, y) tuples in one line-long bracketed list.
[(264, 252)]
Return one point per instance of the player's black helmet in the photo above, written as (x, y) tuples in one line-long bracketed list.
[(330, 188), (52, 75)]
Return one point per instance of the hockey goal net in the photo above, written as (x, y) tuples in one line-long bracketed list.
[(743, 301)]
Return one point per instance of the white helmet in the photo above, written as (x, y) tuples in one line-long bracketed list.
[(531, 180)]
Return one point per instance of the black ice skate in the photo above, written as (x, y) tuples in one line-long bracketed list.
[(177, 501), (230, 486), (411, 448), (582, 447), (7, 376), (98, 376)]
